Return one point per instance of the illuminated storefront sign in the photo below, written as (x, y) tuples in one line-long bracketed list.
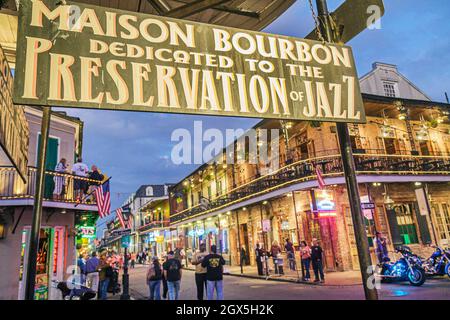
[(84, 56), (87, 232), (323, 203)]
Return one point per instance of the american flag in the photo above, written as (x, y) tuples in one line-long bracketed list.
[(125, 217), (320, 178), (103, 197)]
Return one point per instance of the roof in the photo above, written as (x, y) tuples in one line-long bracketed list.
[(158, 190)]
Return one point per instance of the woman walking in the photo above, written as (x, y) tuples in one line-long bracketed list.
[(305, 255), (154, 278)]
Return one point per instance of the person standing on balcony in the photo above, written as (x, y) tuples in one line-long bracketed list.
[(80, 169), (96, 176), (60, 180), (317, 261), (200, 271)]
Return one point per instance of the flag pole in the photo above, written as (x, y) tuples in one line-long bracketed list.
[(90, 193)]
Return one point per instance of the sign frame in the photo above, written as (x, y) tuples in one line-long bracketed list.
[(327, 92)]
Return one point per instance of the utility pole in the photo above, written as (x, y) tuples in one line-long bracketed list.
[(125, 277), (37, 206), (348, 162)]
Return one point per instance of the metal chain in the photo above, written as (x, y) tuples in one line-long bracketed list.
[(316, 21)]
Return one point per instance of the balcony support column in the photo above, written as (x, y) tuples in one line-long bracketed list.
[(348, 162), (37, 207)]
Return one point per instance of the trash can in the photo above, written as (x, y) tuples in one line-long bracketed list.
[(279, 262)]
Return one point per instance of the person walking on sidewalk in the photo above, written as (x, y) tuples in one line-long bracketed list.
[(317, 261), (275, 250), (214, 273), (105, 276), (173, 272), (154, 277), (259, 254), (290, 251), (200, 271), (91, 269), (305, 256)]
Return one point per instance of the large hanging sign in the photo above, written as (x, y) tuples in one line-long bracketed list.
[(83, 56), (13, 124)]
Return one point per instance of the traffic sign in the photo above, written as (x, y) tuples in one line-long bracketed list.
[(126, 241), (353, 17), (368, 206)]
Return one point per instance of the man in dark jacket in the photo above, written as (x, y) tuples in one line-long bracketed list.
[(214, 273), (316, 259), (259, 253)]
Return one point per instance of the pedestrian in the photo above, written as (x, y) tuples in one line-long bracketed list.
[(105, 275), (275, 250), (60, 180), (243, 256), (381, 247), (200, 271), (80, 185), (132, 260), (317, 261), (91, 269), (259, 254), (214, 274), (81, 264), (305, 256), (144, 257), (173, 272), (96, 179), (290, 251), (154, 277)]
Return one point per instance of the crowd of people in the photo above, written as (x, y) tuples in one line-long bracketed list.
[(309, 255), (81, 187), (100, 274)]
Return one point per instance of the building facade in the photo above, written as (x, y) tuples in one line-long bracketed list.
[(402, 157), (63, 222)]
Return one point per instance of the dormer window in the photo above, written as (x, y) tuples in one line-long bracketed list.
[(390, 89), (149, 192)]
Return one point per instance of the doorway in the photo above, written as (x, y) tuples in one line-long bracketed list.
[(50, 164)]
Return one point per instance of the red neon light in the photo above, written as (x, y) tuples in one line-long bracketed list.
[(327, 214), (55, 252)]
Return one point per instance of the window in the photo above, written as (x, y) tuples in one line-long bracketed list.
[(149, 191), (442, 217), (389, 89), (406, 225)]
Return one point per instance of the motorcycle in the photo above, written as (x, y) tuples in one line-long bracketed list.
[(72, 292), (438, 264), (407, 268)]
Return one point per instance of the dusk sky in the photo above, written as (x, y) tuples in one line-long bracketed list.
[(134, 148)]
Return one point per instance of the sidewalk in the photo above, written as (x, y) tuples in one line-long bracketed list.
[(347, 278)]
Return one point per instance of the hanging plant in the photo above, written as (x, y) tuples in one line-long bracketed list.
[(179, 200), (315, 124), (433, 123)]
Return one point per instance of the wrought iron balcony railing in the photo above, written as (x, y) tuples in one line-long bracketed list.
[(368, 163), (154, 225), (59, 187)]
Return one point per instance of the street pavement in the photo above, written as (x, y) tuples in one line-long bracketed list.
[(241, 288)]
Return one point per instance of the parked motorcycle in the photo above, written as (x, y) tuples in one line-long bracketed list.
[(71, 292), (407, 268), (438, 264)]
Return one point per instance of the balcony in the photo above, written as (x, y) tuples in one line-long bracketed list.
[(154, 225), (370, 162), (59, 189)]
